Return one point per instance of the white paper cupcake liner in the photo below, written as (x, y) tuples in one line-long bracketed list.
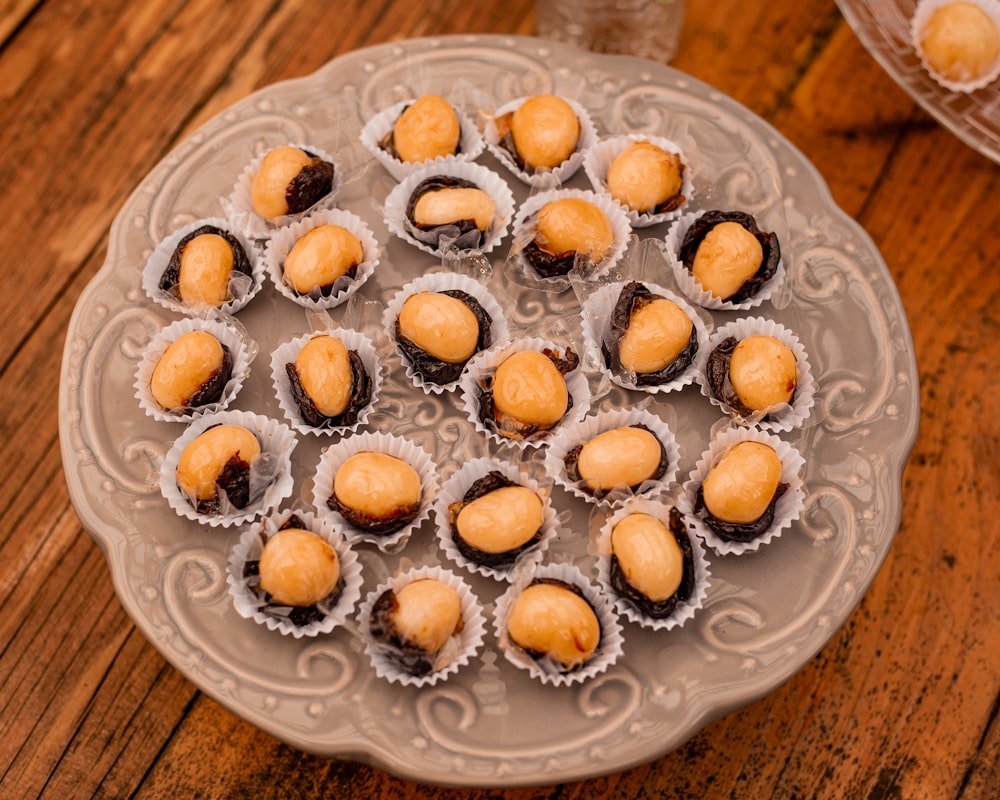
[(480, 371), (787, 509), (524, 232), (457, 653), (596, 313), (287, 352), (454, 489), (702, 571), (486, 179), (589, 427), (250, 605), (374, 441), (242, 289), (545, 670), (598, 158), (692, 289), (271, 478), (283, 240), (440, 282), (242, 350), (546, 177), (921, 16), (785, 417), (239, 205), (471, 144)]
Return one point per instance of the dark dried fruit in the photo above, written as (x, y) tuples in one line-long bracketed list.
[(312, 184), (464, 230), (361, 396), (734, 531), (211, 390)]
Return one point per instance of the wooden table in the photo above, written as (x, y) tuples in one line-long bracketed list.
[(902, 703)]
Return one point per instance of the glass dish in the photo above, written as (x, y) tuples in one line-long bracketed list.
[(766, 614)]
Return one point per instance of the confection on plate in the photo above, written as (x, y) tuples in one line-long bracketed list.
[(646, 178), (329, 382), (290, 180), (201, 266), (320, 258), (959, 42), (213, 470), (376, 492), (455, 208), (427, 128), (551, 619), (651, 338), (752, 374), (541, 133), (192, 372), (565, 230), (624, 457), (728, 255)]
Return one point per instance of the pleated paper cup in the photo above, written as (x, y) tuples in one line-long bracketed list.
[(270, 478), (470, 144), (242, 350), (441, 282), (453, 491), (684, 610), (918, 23), (250, 603), (287, 352), (242, 289), (457, 652), (787, 509)]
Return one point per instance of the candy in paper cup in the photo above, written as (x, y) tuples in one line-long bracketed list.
[(453, 491), (333, 459), (787, 508), (375, 131), (784, 417), (479, 375), (562, 444), (230, 334), (599, 158), (525, 228), (964, 75), (242, 287), (286, 354), (542, 177), (251, 602), (443, 282), (596, 315), (270, 475), (693, 290), (461, 647), (548, 670), (239, 205), (283, 240), (697, 570), (435, 242)]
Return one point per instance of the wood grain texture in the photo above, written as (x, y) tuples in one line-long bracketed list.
[(903, 701)]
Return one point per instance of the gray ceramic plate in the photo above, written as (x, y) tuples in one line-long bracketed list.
[(766, 614)]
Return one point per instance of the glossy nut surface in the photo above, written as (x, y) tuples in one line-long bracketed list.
[(428, 613), (553, 620), (643, 176), (763, 372), (187, 363), (324, 369), (428, 128), (376, 484), (206, 262), (528, 387), (739, 488), (298, 567), (204, 457), (546, 131), (454, 204), (501, 520), (619, 457), (649, 555), (278, 169), (574, 225), (320, 257), (727, 257), (440, 325), (960, 41), (657, 332)]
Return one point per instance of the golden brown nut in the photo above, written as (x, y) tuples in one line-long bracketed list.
[(529, 388), (763, 372), (644, 176), (428, 128), (376, 485), (323, 366), (656, 335), (440, 325), (546, 131), (551, 619), (739, 488), (318, 259), (648, 555), (619, 457), (960, 41), (574, 225), (427, 614), (298, 567), (450, 205), (501, 520), (727, 257), (203, 460), (187, 364), (206, 263)]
